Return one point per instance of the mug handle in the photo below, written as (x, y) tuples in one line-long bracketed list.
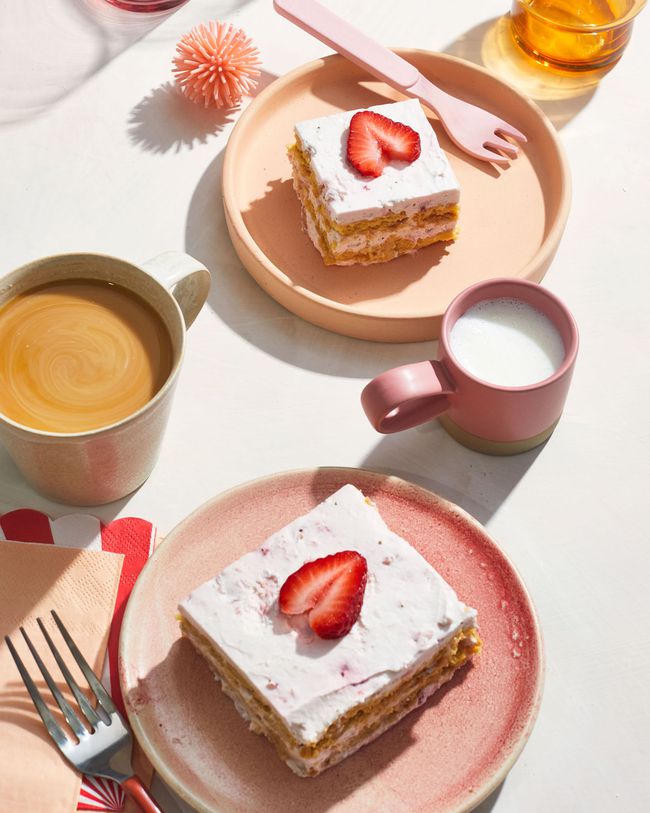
[(185, 278), (407, 396)]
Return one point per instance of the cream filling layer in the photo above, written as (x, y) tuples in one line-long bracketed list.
[(342, 243), (373, 238), (314, 235), (338, 244)]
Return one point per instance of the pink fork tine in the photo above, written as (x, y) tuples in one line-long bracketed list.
[(513, 132), (497, 143)]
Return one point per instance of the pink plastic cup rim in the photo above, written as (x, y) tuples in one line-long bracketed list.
[(531, 292)]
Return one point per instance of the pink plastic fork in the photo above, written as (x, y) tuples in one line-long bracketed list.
[(471, 128)]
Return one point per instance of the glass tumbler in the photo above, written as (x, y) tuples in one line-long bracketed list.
[(574, 35)]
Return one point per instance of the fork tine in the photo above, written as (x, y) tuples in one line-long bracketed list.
[(68, 712), (54, 729), (513, 132), (100, 692), (489, 155), (86, 709), (503, 146)]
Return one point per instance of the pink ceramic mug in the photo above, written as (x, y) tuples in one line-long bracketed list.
[(487, 417)]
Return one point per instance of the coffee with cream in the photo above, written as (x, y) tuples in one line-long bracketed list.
[(507, 342), (78, 355)]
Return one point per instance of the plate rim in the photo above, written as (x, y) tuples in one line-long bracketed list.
[(139, 731), (273, 276)]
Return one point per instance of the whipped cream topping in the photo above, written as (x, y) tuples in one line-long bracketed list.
[(350, 196), (408, 613)]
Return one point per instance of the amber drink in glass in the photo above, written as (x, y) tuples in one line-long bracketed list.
[(574, 35)]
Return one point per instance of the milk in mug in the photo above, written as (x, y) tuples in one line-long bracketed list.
[(507, 342)]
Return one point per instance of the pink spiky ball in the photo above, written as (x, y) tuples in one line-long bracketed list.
[(216, 64)]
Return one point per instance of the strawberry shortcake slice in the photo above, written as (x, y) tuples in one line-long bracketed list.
[(373, 184), (330, 632)]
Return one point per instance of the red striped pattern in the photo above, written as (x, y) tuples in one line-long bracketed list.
[(97, 793)]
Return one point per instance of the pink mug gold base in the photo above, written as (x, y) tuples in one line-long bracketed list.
[(494, 447)]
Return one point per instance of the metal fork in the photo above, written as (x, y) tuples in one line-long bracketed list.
[(472, 129), (103, 742)]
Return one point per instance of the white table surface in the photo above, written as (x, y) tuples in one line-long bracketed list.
[(97, 154)]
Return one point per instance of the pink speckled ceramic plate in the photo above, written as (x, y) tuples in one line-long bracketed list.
[(446, 756), (511, 219)]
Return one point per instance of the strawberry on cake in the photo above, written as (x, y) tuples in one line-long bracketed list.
[(373, 184), (330, 632)]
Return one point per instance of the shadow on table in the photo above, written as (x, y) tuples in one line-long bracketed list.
[(490, 44), (488, 804), (166, 120), (477, 482), (192, 738)]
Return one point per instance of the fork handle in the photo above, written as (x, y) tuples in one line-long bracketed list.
[(351, 43), (140, 795)]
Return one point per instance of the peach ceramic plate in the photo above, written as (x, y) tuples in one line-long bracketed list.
[(446, 756), (511, 220)]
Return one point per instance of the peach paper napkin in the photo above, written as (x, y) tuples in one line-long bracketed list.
[(81, 586), (135, 538)]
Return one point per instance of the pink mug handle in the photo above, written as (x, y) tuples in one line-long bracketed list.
[(407, 396)]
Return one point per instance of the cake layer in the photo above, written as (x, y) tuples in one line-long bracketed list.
[(348, 196), (372, 240), (304, 178), (388, 247), (360, 725), (409, 614)]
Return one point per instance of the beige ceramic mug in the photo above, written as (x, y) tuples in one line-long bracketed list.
[(101, 465)]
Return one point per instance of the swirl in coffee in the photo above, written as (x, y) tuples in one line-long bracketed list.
[(78, 355)]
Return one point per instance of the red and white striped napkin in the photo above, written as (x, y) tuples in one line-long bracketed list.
[(136, 540)]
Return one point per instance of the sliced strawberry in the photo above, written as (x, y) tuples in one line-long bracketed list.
[(340, 605), (331, 589), (374, 140)]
